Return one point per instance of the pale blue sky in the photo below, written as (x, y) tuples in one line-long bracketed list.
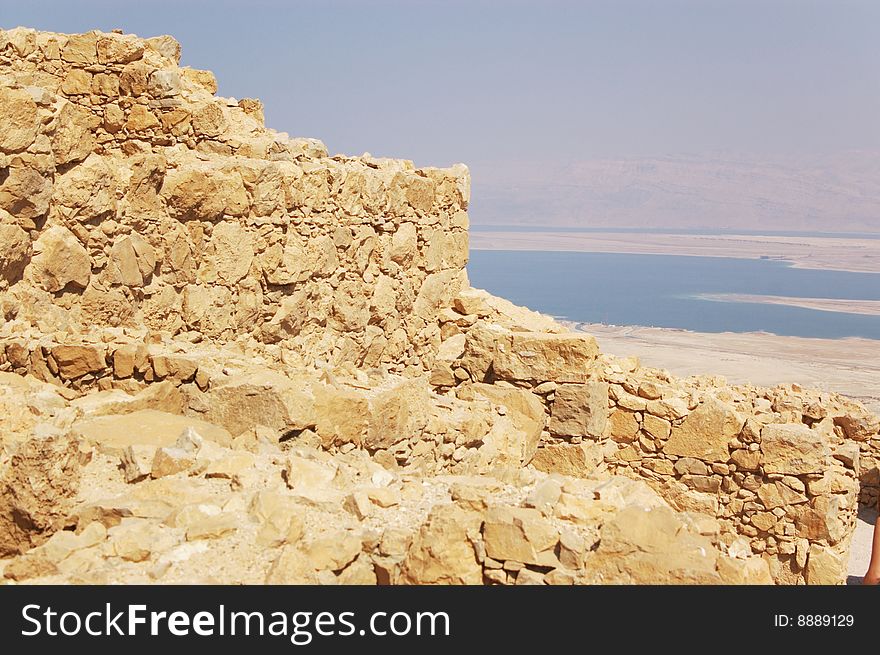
[(489, 82)]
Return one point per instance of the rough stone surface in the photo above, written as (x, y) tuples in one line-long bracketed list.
[(281, 375)]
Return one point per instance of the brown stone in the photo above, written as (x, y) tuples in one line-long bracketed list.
[(624, 425), (825, 566), (542, 357), (793, 449), (75, 361), (706, 432), (580, 410), (442, 551), (577, 460)]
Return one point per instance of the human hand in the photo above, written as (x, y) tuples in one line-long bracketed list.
[(871, 578)]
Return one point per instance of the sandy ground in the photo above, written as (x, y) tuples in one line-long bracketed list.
[(860, 550), (865, 307), (849, 366), (837, 253)]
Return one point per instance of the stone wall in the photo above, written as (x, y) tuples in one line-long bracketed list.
[(131, 196), (164, 252), (781, 470)]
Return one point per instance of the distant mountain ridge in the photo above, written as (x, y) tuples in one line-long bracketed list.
[(830, 193)]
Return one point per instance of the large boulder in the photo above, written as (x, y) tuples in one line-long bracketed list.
[(373, 419), (706, 432), (262, 398), (793, 449), (544, 357), (580, 410), (20, 119), (524, 409), (60, 259), (442, 551), (37, 488)]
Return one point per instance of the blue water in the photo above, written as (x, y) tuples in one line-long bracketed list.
[(660, 290), (675, 230)]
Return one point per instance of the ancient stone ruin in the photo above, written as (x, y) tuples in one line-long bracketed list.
[(227, 356)]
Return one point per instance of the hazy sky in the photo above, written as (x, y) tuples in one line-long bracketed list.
[(523, 91), (485, 81)]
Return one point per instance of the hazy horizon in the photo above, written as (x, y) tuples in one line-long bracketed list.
[(759, 113)]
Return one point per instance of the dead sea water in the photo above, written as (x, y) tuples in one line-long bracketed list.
[(664, 290)]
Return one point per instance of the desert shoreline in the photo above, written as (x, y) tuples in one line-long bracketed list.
[(837, 305), (848, 366), (846, 254)]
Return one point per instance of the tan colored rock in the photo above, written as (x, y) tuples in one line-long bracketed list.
[(751, 571), (73, 139), (442, 552), (623, 425), (647, 546), (404, 244), (523, 407), (859, 426), (228, 256), (334, 551), (204, 193), (359, 504), (140, 118), (25, 194), (136, 540), (230, 466), (132, 261), (212, 527), (541, 357), (59, 260), (577, 460), (670, 409), (113, 434), (655, 426), (87, 191), (472, 302), (208, 119), (15, 254), (706, 432), (160, 396), (81, 49), (825, 567), (820, 520), (171, 461), (342, 415), (291, 567), (262, 398), (77, 82), (376, 420), (580, 410), (37, 488), (746, 460), (396, 414), (303, 475), (284, 525), (137, 462), (518, 534), (793, 449), (118, 48), (776, 494), (384, 497), (479, 349), (20, 120), (75, 361)]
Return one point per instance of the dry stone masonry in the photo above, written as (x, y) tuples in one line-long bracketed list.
[(132, 196), (226, 356)]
